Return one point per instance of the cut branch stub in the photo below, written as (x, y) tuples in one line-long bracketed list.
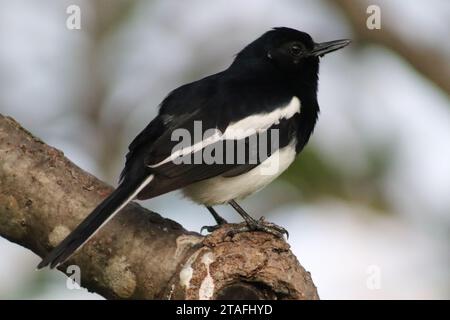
[(250, 265)]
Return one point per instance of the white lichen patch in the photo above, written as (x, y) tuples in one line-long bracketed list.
[(184, 242), (58, 234), (186, 275), (187, 271), (119, 277), (207, 286)]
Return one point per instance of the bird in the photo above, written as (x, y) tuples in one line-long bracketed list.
[(268, 94)]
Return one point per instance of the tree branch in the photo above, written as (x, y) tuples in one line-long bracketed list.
[(138, 254)]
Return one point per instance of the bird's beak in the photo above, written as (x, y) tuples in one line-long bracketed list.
[(321, 49)]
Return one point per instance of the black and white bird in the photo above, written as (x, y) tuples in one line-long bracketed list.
[(270, 89)]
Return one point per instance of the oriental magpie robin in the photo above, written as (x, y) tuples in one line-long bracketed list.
[(269, 93)]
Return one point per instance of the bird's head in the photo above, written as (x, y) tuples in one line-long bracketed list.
[(289, 50)]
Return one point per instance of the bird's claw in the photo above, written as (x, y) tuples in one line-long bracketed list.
[(210, 228), (251, 225), (261, 225), (272, 228), (220, 222)]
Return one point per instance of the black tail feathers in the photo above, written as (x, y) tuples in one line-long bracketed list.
[(94, 221)]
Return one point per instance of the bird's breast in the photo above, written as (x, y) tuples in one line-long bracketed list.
[(220, 189)]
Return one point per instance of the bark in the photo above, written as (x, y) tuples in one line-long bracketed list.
[(138, 254)]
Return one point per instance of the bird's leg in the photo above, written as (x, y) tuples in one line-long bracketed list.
[(259, 225), (220, 221), (216, 216)]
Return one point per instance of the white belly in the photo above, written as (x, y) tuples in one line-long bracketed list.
[(219, 190)]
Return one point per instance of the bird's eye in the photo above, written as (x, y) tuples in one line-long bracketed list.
[(296, 50)]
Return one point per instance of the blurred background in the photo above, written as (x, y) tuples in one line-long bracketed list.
[(367, 204)]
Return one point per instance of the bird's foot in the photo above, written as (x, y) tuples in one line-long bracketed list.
[(260, 225), (220, 222)]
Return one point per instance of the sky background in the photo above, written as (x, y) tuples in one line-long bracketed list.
[(370, 195)]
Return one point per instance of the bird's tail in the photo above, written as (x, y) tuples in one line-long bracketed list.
[(118, 199)]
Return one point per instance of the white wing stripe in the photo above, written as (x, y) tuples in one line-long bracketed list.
[(241, 129), (260, 122)]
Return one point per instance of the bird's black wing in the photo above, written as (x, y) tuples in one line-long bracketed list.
[(210, 109)]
